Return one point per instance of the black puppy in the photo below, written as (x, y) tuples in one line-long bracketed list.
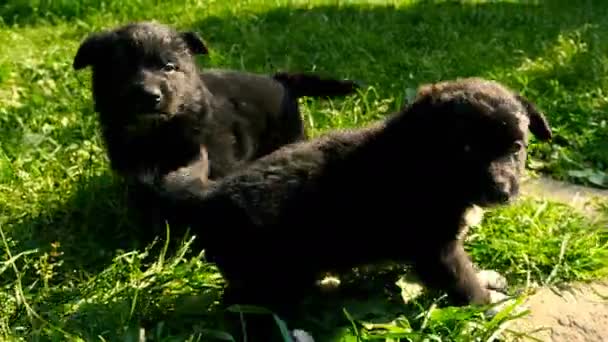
[(157, 109), (405, 184)]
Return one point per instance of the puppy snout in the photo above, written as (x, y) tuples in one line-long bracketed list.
[(502, 196), (150, 97), (506, 189)]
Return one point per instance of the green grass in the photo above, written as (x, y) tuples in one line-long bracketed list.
[(74, 267)]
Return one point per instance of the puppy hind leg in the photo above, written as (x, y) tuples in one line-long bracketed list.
[(278, 295), (243, 325), (448, 268)]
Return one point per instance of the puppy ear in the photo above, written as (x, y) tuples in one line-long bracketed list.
[(539, 126), (194, 42), (424, 91), (90, 50)]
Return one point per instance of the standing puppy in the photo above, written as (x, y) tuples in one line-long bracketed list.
[(157, 109), (405, 184)]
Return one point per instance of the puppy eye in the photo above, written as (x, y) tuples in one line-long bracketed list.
[(169, 67), (516, 147)]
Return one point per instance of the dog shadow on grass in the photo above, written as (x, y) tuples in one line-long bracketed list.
[(370, 299), (100, 249), (88, 227)]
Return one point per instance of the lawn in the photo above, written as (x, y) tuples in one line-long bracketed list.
[(73, 266)]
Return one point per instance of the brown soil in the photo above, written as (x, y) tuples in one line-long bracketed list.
[(579, 197), (576, 313)]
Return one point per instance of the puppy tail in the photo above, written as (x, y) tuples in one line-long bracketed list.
[(301, 84)]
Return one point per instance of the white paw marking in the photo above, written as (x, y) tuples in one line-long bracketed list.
[(473, 216), (492, 280), (411, 288), (147, 177), (300, 335), (329, 283)]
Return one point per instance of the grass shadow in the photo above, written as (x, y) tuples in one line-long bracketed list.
[(550, 51), (392, 47), (89, 227), (369, 297), (176, 317), (35, 12)]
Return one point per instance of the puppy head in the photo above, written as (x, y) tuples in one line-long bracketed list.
[(480, 129), (142, 68)]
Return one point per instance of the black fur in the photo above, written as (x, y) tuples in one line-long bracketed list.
[(396, 190)]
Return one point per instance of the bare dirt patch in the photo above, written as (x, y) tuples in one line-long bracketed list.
[(578, 312), (579, 197)]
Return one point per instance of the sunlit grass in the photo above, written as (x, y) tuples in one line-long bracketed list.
[(74, 267)]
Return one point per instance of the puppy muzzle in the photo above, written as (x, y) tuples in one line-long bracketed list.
[(503, 191), (148, 99)]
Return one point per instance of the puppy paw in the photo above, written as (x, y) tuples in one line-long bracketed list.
[(473, 216), (492, 280), (411, 288), (198, 169), (192, 176), (329, 284), (500, 302), (299, 335), (147, 177)]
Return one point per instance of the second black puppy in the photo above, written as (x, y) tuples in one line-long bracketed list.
[(398, 190), (157, 109)]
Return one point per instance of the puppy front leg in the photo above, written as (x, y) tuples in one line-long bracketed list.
[(193, 177), (447, 267)]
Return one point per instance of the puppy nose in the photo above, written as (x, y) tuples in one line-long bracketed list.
[(503, 196), (154, 95), (150, 97)]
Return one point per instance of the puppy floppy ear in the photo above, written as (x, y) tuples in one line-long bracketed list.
[(90, 50), (539, 126), (194, 42)]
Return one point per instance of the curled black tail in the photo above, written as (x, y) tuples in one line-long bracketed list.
[(301, 84)]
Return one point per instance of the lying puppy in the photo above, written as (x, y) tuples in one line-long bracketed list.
[(406, 183), (157, 109)]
